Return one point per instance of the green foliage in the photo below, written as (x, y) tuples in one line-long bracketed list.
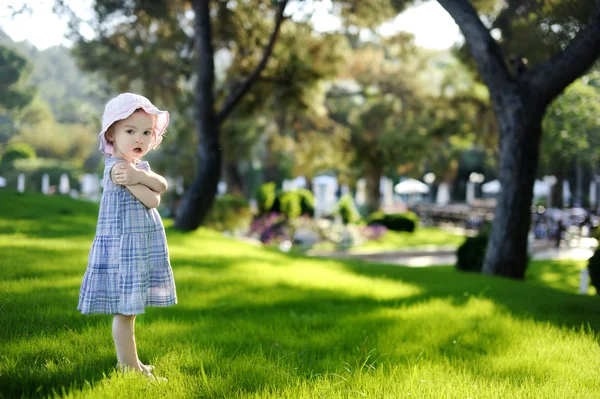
[(66, 141), (347, 209), (537, 30), (471, 254), (265, 197), (594, 270), (14, 70), (407, 221), (297, 202), (35, 168), (73, 97), (388, 111), (14, 152), (572, 127), (290, 204), (307, 202), (229, 213)]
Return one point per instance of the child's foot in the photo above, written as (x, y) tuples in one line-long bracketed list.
[(155, 378), (123, 368), (148, 368)]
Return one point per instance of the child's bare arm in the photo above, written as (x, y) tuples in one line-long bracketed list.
[(153, 181), (120, 175), (151, 199), (127, 174)]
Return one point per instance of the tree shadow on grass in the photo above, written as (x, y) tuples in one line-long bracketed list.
[(522, 299), (302, 331), (560, 275), (305, 332), (255, 326), (44, 263)]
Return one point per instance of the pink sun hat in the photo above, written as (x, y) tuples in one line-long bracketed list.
[(124, 105)]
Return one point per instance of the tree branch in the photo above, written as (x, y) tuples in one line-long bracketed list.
[(484, 49), (550, 78), (204, 52), (235, 95), (276, 80)]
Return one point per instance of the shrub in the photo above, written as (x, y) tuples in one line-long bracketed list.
[(14, 152), (346, 209), (295, 203), (229, 213), (34, 169), (407, 221), (307, 202), (594, 270), (265, 197), (270, 228), (290, 204), (471, 254)]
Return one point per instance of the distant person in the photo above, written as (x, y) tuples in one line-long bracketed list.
[(128, 266), (559, 232)]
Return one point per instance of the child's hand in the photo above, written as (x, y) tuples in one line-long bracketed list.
[(126, 174)]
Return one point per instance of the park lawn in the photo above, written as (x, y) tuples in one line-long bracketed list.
[(256, 323), (562, 275), (421, 237)]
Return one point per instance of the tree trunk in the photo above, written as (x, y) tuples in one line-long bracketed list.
[(520, 100), (373, 193), (520, 134), (198, 199)]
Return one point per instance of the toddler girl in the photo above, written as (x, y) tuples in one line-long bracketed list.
[(128, 266)]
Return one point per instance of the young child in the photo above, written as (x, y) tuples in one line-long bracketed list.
[(128, 266)]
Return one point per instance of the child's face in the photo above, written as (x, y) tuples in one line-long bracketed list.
[(132, 136)]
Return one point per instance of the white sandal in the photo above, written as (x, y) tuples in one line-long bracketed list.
[(146, 370)]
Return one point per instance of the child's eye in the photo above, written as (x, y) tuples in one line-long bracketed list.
[(147, 133), (130, 131)]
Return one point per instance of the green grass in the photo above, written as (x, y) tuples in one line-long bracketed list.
[(401, 240), (561, 275), (422, 236), (255, 323)]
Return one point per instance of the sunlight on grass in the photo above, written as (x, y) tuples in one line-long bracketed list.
[(256, 323), (422, 236), (400, 240), (561, 275)]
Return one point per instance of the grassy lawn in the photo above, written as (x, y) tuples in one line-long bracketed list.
[(422, 236), (255, 323), (400, 240), (561, 275)]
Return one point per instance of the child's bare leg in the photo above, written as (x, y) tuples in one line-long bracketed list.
[(123, 335), (146, 368)]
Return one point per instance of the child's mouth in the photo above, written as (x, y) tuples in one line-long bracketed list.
[(137, 150)]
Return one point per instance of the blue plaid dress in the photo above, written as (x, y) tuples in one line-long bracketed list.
[(128, 264)]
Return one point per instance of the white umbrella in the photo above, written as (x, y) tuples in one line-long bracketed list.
[(491, 187), (411, 186)]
